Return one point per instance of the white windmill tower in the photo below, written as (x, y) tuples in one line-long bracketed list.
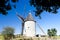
[(29, 26)]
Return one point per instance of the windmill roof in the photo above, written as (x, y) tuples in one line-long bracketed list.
[(29, 17)]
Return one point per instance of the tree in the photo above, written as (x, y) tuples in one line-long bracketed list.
[(6, 5), (49, 33), (45, 5), (40, 5), (8, 33), (52, 32)]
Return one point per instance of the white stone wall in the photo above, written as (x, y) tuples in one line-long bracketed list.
[(29, 28)]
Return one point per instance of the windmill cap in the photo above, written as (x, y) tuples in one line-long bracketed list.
[(29, 17)]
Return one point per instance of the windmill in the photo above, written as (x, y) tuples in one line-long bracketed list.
[(29, 24)]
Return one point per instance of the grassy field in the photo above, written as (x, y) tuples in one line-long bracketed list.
[(33, 38), (1, 37), (39, 38)]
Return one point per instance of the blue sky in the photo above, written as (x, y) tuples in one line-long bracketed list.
[(48, 20)]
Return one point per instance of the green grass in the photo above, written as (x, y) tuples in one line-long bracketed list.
[(1, 37)]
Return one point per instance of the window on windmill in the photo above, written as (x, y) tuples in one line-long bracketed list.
[(28, 27), (25, 30)]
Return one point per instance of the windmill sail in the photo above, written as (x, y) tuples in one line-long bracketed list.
[(41, 28), (22, 19)]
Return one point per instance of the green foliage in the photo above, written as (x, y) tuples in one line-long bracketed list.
[(40, 5), (52, 32), (6, 5), (8, 33), (45, 5)]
